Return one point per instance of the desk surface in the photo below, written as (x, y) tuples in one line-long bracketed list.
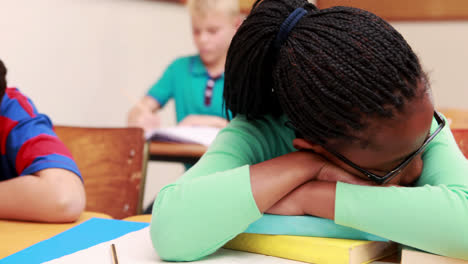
[(24, 234), (18, 235), (179, 152)]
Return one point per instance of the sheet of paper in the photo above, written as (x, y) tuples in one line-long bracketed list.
[(136, 248), (185, 134)]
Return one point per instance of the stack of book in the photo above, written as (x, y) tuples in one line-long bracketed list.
[(309, 244), (413, 256), (321, 241), (318, 250)]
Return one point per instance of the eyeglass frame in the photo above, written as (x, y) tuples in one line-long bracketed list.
[(390, 175)]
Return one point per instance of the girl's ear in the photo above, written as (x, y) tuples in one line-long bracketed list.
[(300, 143)]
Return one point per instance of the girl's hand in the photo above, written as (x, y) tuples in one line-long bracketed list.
[(332, 173), (312, 198)]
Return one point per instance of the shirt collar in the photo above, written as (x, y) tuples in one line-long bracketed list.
[(198, 68)]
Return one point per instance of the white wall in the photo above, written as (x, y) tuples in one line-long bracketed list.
[(443, 50), (84, 61)]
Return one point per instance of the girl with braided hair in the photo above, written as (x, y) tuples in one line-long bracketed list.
[(333, 118)]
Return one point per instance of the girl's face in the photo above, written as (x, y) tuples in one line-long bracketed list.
[(392, 141)]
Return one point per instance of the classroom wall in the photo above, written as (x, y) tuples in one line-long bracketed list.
[(84, 62)]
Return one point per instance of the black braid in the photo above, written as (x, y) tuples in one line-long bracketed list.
[(337, 66), (3, 72)]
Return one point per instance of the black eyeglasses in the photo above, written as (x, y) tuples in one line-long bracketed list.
[(390, 175)]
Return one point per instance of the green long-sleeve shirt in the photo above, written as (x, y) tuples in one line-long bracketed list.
[(213, 202)]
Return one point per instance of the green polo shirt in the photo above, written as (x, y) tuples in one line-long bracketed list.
[(185, 80)]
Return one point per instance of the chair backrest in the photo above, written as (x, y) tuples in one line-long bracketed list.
[(458, 118), (112, 162), (461, 136)]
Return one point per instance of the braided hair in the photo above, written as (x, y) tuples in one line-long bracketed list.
[(337, 66), (3, 72)]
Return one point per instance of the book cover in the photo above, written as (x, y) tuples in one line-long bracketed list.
[(317, 250), (306, 225), (414, 256)]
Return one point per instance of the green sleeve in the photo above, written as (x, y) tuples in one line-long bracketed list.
[(432, 216), (187, 214), (164, 88)]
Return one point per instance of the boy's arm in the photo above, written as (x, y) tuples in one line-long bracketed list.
[(143, 114), (204, 120), (50, 195)]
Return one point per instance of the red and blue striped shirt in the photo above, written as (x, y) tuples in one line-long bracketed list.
[(28, 142)]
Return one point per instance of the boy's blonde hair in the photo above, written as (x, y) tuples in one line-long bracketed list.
[(205, 7)]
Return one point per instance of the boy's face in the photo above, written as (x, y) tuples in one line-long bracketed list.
[(212, 35)]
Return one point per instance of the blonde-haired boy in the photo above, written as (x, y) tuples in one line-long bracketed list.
[(206, 7), (195, 82)]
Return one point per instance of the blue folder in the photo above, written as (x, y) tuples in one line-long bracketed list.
[(306, 225), (82, 236)]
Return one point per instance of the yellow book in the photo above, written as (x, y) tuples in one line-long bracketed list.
[(317, 250), (412, 256)]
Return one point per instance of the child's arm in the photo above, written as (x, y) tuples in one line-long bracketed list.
[(143, 114), (204, 120), (51, 195), (431, 216), (224, 192)]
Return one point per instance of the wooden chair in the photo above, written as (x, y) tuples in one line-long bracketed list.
[(461, 136), (112, 162), (458, 118)]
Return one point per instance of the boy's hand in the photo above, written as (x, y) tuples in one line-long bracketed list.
[(192, 120), (142, 115), (203, 120)]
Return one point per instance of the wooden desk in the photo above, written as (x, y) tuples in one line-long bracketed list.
[(18, 235), (176, 152), (146, 218)]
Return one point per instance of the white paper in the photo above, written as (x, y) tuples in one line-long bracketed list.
[(136, 248), (203, 135)]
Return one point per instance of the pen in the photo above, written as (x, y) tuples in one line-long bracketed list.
[(114, 255)]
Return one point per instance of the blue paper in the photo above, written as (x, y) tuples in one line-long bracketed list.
[(306, 226), (87, 234)]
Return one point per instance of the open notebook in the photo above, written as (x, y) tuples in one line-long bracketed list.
[(203, 135)]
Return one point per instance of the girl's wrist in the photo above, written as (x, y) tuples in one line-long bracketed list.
[(309, 164), (320, 199)]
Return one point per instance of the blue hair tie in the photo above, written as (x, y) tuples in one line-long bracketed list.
[(287, 26)]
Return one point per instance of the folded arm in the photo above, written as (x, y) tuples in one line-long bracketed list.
[(226, 191), (431, 216)]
